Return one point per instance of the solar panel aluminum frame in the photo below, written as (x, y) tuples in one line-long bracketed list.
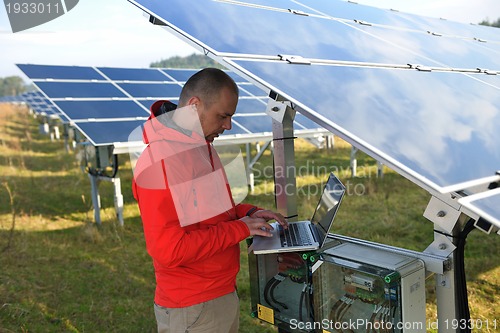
[(472, 210)]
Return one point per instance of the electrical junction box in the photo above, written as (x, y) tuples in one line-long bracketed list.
[(281, 290), (365, 289)]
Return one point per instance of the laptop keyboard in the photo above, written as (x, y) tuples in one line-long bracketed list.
[(297, 234)]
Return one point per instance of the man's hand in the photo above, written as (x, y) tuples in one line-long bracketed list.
[(270, 215), (257, 226)]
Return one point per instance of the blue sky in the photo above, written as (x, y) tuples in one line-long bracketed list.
[(116, 33)]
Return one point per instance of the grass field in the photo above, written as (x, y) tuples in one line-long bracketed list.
[(60, 273)]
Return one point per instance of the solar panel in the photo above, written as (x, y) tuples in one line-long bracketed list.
[(105, 110), (363, 81), (273, 31), (180, 75), (393, 114), (55, 90), (108, 132), (83, 110), (60, 72), (134, 74), (152, 90)]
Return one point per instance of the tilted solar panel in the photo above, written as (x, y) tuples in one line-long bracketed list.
[(433, 127)]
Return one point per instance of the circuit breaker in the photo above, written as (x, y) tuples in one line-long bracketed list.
[(361, 289)]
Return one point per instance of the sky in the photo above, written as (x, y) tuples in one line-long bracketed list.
[(115, 33)]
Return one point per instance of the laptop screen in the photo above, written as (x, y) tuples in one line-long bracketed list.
[(325, 212)]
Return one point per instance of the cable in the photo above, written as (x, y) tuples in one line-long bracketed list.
[(461, 282), (279, 278), (301, 301), (266, 292)]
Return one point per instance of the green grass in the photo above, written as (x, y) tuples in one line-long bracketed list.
[(60, 273)]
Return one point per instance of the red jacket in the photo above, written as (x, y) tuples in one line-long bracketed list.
[(199, 261)]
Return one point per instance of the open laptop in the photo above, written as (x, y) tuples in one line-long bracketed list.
[(305, 235)]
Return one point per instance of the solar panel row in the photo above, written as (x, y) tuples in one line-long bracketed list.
[(106, 104)]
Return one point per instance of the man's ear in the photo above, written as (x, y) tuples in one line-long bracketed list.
[(194, 101)]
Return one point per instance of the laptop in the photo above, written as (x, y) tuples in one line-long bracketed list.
[(305, 235)]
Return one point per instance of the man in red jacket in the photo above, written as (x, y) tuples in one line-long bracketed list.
[(191, 224)]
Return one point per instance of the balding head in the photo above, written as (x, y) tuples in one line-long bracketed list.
[(207, 85)]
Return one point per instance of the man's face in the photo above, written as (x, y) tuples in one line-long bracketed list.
[(216, 117)]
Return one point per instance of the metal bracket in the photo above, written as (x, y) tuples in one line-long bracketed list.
[(442, 214), (443, 280), (293, 59), (277, 109), (316, 265), (442, 246), (155, 21), (434, 33), (363, 23), (420, 68), (298, 12)]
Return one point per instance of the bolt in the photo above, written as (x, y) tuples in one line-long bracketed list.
[(443, 283), (441, 213), (275, 109), (442, 246)]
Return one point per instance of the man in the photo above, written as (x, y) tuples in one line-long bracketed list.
[(191, 224)]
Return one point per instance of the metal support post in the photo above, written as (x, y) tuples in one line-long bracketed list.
[(354, 162), (96, 199), (118, 199), (380, 170), (448, 222), (250, 176), (284, 158)]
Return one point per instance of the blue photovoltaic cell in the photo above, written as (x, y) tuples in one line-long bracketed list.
[(108, 132), (254, 90), (444, 52), (60, 72), (155, 90), (101, 109), (302, 122), (79, 89), (147, 103), (181, 75), (238, 79), (246, 106), (493, 80), (134, 74), (438, 126), (254, 124)]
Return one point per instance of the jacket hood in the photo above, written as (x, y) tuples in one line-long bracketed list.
[(161, 127)]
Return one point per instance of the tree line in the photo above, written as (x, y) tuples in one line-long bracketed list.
[(495, 24), (12, 86)]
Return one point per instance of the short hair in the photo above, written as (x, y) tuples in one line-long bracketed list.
[(207, 85)]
